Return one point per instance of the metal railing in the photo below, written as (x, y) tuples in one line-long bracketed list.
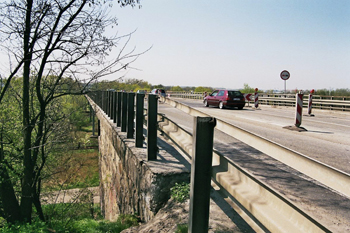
[(266, 204), (336, 103)]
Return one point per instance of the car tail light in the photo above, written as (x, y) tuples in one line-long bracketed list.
[(227, 98)]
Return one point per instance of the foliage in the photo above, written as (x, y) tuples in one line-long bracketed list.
[(37, 226), (129, 85), (182, 228), (77, 220), (176, 88), (55, 49), (180, 192), (203, 89), (333, 92), (247, 89)]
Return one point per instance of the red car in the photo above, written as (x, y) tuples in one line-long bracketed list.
[(225, 99)]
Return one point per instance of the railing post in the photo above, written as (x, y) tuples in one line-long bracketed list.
[(131, 114), (119, 109), (105, 102), (124, 111), (111, 104), (108, 103), (152, 110), (114, 108), (92, 114), (98, 128), (102, 100), (139, 120), (203, 135)]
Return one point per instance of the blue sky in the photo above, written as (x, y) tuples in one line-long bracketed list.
[(229, 43)]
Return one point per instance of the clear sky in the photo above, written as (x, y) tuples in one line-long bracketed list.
[(229, 43), (232, 42)]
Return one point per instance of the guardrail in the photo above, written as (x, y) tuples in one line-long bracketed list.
[(337, 103), (259, 199), (269, 207)]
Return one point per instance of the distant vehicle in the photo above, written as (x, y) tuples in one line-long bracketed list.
[(159, 92), (141, 92), (225, 99)]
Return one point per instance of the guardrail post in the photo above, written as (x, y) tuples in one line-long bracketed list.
[(298, 109), (131, 114), (152, 110), (105, 102), (203, 134), (119, 109), (102, 100), (108, 103), (124, 111), (92, 114), (98, 128), (139, 120), (114, 108)]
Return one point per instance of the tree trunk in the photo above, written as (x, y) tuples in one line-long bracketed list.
[(7, 194), (27, 182)]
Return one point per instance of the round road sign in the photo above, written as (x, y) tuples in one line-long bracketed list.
[(285, 75)]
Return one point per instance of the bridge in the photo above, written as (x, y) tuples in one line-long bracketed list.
[(281, 189)]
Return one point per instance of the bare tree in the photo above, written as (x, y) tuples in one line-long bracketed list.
[(57, 47)]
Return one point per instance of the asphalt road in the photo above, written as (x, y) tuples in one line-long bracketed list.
[(327, 138)]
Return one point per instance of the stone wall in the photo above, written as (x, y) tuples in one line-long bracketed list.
[(129, 184)]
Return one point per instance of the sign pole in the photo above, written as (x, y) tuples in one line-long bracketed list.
[(285, 89)]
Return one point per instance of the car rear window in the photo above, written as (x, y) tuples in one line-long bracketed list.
[(234, 94)]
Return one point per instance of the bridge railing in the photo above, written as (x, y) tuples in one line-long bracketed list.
[(337, 103), (228, 175)]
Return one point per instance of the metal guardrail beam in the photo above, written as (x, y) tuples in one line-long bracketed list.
[(270, 208), (321, 172), (334, 103)]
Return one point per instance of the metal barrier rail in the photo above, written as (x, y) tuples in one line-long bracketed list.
[(327, 175), (318, 102), (270, 208)]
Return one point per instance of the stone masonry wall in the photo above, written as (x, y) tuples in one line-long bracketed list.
[(129, 184)]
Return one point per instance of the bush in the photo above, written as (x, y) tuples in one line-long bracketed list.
[(180, 192)]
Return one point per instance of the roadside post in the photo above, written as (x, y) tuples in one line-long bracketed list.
[(203, 135), (152, 110), (124, 111), (309, 107), (131, 114), (256, 98), (139, 120), (298, 109)]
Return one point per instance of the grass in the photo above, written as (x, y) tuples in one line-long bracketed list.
[(180, 192)]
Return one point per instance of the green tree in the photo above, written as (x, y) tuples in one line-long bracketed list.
[(203, 89), (176, 88), (57, 48), (247, 89)]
